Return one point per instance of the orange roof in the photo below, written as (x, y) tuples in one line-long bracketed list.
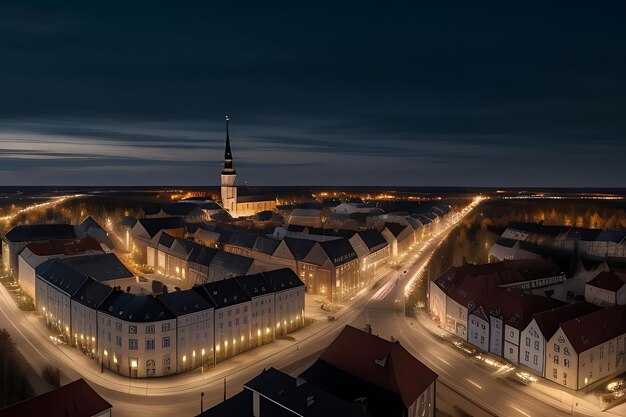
[(76, 399), (380, 362)]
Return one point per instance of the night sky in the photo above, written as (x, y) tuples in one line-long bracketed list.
[(360, 93)]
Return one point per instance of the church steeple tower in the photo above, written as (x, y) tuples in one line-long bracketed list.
[(228, 155), (229, 190)]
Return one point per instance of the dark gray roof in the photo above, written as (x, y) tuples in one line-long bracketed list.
[(185, 302), (101, 267), (231, 263), (61, 276), (537, 228), (92, 293), (340, 251), (616, 236), (128, 221), (136, 308), (87, 224), (282, 279), (302, 399), (202, 255), (423, 219), (248, 195), (395, 228), (154, 226), (254, 285), (266, 245), (224, 293), (181, 209), (243, 239), (583, 234), (299, 248), (506, 242), (35, 232), (372, 238)]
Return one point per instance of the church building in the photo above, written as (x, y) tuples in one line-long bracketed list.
[(241, 201)]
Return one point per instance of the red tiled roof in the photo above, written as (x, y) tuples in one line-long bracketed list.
[(549, 320), (473, 282), (65, 246), (357, 352), (596, 328), (76, 399), (611, 280)]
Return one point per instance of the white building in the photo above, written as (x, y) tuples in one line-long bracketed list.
[(289, 300), (588, 349), (606, 289), (262, 308), (232, 317), (37, 253), (137, 336), (194, 328), (542, 327)]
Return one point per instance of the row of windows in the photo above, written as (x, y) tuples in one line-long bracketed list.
[(133, 344), (132, 329)]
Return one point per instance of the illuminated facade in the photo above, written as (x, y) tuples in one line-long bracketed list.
[(242, 203)]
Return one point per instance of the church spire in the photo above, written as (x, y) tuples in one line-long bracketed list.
[(228, 156)]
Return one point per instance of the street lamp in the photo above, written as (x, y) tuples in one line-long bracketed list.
[(201, 402)]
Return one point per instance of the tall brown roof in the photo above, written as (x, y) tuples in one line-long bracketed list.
[(596, 328), (380, 362), (76, 399), (611, 280), (549, 320)]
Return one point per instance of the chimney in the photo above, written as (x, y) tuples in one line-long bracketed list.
[(310, 400)]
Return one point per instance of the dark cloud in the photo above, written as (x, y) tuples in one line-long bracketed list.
[(407, 93)]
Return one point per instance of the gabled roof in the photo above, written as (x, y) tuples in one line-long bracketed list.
[(395, 228), (153, 226), (136, 308), (299, 248), (230, 263), (162, 240), (373, 238), (76, 399), (101, 267), (266, 245), (35, 232), (536, 228), (61, 276), (185, 302), (202, 255), (254, 285), (298, 398), (376, 361), (617, 236), (612, 280), (92, 293), (224, 293), (549, 320), (339, 251), (282, 279), (87, 224), (242, 239), (593, 329), (65, 246)]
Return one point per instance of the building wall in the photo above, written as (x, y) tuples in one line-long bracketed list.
[(195, 342), (478, 332), (604, 360), (600, 296), (289, 310), (511, 343), (437, 304), (456, 318), (232, 330), (55, 306), (532, 348), (262, 319), (84, 327), (561, 361), (425, 403), (496, 334), (26, 272), (252, 208), (137, 349)]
